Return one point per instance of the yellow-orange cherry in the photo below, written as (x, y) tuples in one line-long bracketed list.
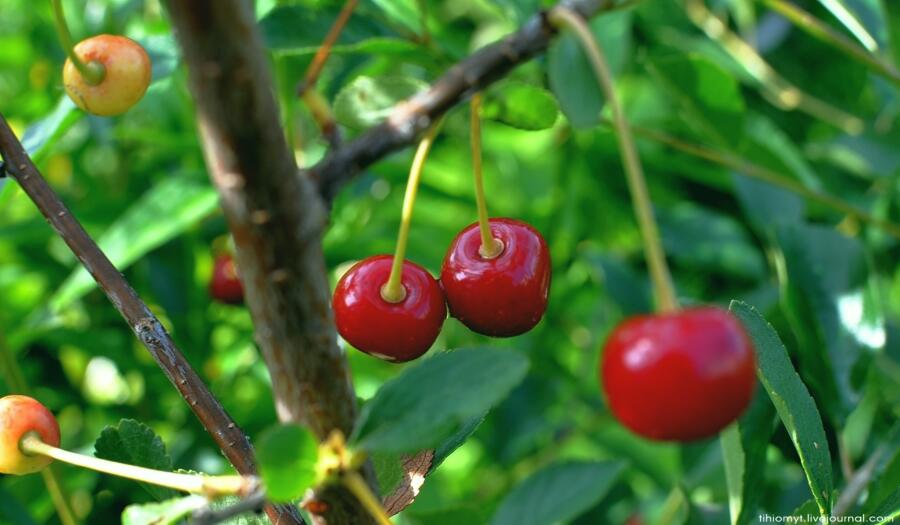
[(20, 415), (126, 74)]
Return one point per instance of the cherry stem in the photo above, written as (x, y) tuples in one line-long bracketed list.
[(209, 486), (637, 184), (358, 486), (93, 72), (490, 247), (393, 291)]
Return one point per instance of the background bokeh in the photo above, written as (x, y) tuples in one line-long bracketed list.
[(828, 282)]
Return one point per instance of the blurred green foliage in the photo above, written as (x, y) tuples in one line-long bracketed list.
[(829, 283)]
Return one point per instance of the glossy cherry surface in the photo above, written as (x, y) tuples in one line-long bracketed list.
[(20, 415), (225, 284), (681, 376), (501, 296), (127, 75), (396, 332)]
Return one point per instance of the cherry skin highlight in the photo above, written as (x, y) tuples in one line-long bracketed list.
[(127, 75), (397, 332), (20, 415), (225, 285), (681, 376), (501, 296)]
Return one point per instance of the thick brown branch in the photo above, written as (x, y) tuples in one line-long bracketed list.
[(276, 217), (412, 117), (227, 435)]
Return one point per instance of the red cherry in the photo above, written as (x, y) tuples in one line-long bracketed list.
[(225, 285), (501, 296), (20, 415), (396, 332), (681, 376)]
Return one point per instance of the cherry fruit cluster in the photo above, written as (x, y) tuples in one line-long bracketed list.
[(501, 295)]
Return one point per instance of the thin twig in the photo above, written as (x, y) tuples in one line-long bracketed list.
[(815, 27), (148, 329), (412, 117), (755, 171), (777, 90), (210, 516), (859, 482), (306, 89), (322, 54)]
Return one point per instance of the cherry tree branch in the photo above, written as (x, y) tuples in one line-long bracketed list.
[(277, 220), (227, 435), (412, 117)]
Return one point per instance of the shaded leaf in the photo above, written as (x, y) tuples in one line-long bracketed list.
[(709, 95), (571, 77), (557, 493), (522, 106), (744, 452), (280, 28), (431, 401)]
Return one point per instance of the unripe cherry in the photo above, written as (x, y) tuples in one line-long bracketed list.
[(20, 415), (127, 75)]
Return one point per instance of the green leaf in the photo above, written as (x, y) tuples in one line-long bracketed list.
[(521, 106), (449, 446), (882, 486), (708, 94), (168, 512), (167, 210), (702, 239), (889, 510), (767, 205), (402, 12), (287, 461), (571, 77), (431, 401), (12, 511), (41, 135), (821, 266), (377, 45), (630, 291), (135, 443), (388, 470), (806, 509), (280, 28), (792, 401), (164, 55), (744, 452), (367, 101), (892, 19), (558, 493), (451, 516)]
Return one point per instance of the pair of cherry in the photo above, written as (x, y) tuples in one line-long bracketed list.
[(499, 295)]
